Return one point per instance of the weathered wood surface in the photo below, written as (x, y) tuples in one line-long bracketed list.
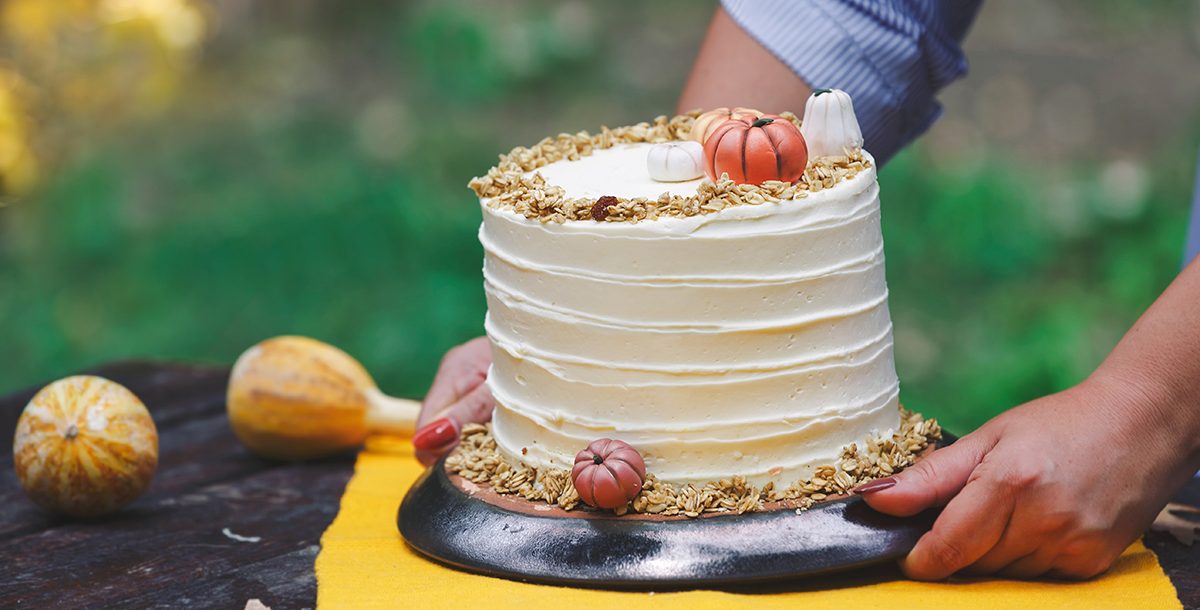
[(1181, 563), (167, 549)]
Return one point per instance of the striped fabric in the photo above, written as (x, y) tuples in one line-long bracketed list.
[(891, 56), (1193, 240)]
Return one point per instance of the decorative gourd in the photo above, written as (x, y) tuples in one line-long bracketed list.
[(675, 161), (830, 127), (753, 152), (295, 398), (608, 474), (85, 446), (707, 123)]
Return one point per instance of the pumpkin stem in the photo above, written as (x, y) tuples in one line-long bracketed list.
[(820, 91), (763, 121), (72, 432), (597, 459)]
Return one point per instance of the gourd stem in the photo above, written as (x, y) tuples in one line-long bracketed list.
[(390, 414)]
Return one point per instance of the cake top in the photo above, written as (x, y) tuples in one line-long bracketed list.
[(650, 170)]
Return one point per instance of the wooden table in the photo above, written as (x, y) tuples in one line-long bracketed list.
[(170, 549)]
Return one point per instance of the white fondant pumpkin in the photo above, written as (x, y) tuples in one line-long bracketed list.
[(675, 161), (829, 127)]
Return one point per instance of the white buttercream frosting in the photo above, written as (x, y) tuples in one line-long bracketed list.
[(753, 341)]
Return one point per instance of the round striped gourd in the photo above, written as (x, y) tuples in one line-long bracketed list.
[(85, 446)]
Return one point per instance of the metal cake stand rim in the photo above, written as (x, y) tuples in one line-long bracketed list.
[(443, 523)]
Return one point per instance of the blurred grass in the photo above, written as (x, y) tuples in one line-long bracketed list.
[(309, 176), (992, 307)]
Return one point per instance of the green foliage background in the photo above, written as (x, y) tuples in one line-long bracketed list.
[(308, 176)]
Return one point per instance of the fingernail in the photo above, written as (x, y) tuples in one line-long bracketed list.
[(435, 434), (876, 485)]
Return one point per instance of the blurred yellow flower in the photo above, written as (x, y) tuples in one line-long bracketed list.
[(83, 65), (179, 23), (39, 24), (18, 166)]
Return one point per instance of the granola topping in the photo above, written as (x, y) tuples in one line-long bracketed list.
[(514, 184), (478, 460)]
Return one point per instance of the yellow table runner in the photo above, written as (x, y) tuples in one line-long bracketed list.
[(365, 564)]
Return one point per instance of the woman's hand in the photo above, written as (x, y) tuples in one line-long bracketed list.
[(457, 397), (1059, 486)]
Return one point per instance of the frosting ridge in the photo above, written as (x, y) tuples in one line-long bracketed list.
[(752, 341)]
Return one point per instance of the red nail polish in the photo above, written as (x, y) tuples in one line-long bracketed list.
[(435, 434), (876, 485)]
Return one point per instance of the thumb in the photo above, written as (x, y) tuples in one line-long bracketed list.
[(933, 481)]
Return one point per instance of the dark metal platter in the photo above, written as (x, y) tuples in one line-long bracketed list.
[(445, 523)]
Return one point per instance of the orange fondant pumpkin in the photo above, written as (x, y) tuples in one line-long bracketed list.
[(708, 122), (85, 446), (608, 474), (755, 151)]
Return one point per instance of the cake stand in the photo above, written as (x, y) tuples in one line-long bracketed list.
[(469, 527)]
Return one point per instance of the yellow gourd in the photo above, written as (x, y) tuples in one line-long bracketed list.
[(85, 446), (295, 398)]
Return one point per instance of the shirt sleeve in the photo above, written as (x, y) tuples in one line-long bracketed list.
[(891, 56)]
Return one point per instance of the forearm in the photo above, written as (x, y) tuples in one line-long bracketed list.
[(892, 58), (733, 69), (1158, 363)]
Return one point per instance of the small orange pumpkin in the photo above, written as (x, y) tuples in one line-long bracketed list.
[(755, 151), (608, 473), (85, 446), (707, 123)]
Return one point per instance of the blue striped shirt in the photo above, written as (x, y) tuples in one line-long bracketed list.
[(891, 56)]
